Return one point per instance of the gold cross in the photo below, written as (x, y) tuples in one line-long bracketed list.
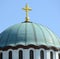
[(27, 9)]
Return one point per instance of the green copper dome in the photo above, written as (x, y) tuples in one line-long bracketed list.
[(28, 33)]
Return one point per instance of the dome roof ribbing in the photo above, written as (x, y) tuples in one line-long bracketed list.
[(28, 33)]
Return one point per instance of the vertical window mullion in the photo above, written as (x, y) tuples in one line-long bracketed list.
[(10, 54), (31, 54), (51, 55), (59, 56), (0, 55), (41, 54), (20, 54)]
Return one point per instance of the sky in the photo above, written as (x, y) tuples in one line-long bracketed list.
[(45, 12)]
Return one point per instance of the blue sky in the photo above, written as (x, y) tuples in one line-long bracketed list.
[(45, 12)]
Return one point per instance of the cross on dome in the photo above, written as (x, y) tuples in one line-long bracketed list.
[(27, 9)]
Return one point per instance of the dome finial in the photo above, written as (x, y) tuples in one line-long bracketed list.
[(27, 9)]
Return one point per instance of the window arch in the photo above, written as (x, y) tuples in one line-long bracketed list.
[(0, 55), (41, 54), (10, 54), (59, 56), (51, 55), (31, 54), (20, 54)]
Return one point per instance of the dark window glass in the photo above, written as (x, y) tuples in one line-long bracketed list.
[(10, 54), (0, 55), (59, 55), (31, 54), (20, 54), (41, 54), (51, 55)]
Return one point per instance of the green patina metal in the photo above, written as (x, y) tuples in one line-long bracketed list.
[(27, 33)]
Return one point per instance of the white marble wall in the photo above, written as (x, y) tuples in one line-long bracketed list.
[(26, 53)]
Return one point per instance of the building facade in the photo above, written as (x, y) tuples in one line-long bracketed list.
[(28, 40)]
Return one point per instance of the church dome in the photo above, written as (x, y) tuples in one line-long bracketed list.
[(28, 33)]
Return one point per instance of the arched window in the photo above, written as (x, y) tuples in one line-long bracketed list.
[(20, 54), (10, 54), (59, 55), (51, 55), (0, 55), (31, 54), (41, 54)]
